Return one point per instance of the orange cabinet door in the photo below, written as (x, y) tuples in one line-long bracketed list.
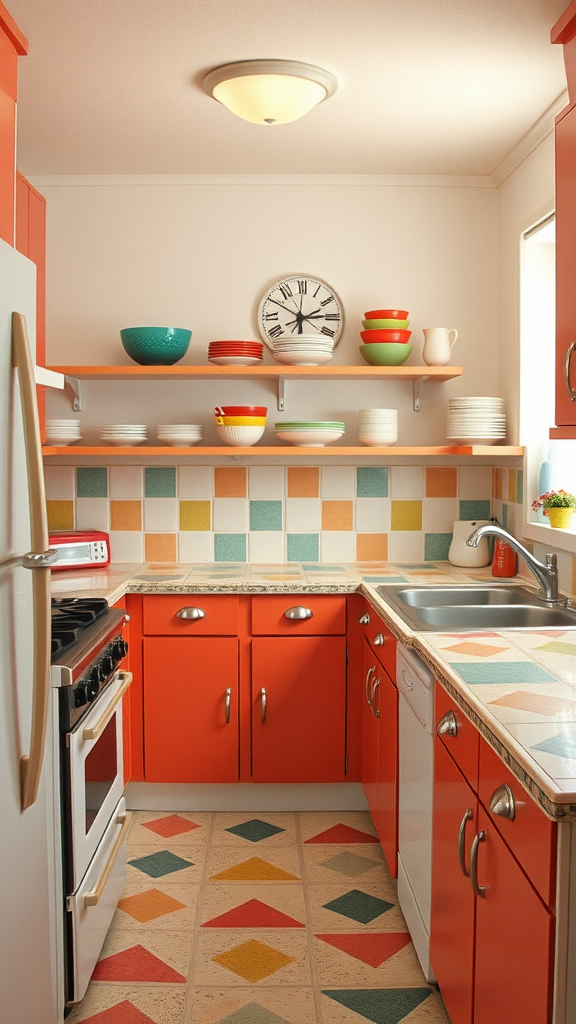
[(191, 709), (514, 940), (370, 731), (323, 614), (12, 44), (461, 738), (387, 789), (453, 901), (565, 269), (298, 709)]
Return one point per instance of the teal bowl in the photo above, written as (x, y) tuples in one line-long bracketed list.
[(155, 346), (385, 355)]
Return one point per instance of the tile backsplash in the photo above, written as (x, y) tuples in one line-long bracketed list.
[(279, 513)]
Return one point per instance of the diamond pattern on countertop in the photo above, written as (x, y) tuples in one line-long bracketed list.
[(162, 863), (173, 825), (147, 906), (136, 964), (255, 830), (380, 1005), (342, 834), (253, 914), (539, 703), (563, 745), (558, 647), (253, 960), (372, 948), (359, 906), (476, 674), (123, 1013), (349, 864), (476, 650), (253, 1013), (254, 870)]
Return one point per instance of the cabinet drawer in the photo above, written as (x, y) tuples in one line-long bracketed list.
[(531, 835), (269, 615), (464, 746), (383, 644), (220, 616)]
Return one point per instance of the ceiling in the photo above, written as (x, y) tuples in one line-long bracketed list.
[(425, 86)]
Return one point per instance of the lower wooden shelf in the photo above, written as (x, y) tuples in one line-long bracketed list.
[(335, 451)]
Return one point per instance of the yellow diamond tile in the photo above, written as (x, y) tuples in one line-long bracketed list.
[(254, 869), (253, 960)]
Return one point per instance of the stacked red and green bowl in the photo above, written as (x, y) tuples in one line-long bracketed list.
[(386, 337)]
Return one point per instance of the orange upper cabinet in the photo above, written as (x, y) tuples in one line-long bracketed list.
[(31, 242), (12, 45)]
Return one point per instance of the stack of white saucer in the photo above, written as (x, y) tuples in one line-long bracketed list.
[(377, 427), (303, 350), (179, 435), (62, 432), (476, 420), (123, 435)]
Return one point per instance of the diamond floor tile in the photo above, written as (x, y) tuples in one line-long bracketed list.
[(146, 906), (173, 825), (341, 834), (359, 906), (253, 914), (349, 864), (371, 948), (253, 1013), (254, 869), (123, 1013), (159, 864), (255, 830), (253, 960), (136, 964), (381, 1006)]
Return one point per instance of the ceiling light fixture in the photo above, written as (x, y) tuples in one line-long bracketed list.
[(270, 91)]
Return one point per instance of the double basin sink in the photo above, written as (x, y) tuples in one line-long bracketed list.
[(439, 608)]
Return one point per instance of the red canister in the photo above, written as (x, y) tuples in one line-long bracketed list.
[(504, 562)]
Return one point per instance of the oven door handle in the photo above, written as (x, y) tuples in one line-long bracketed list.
[(95, 731), (92, 898)]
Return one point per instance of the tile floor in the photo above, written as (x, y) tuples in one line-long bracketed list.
[(258, 919)]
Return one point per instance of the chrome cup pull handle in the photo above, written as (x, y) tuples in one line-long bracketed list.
[(264, 697), (378, 640), (570, 389), (448, 725), (298, 612), (479, 890), (461, 837), (227, 701), (190, 613), (375, 686), (502, 803), (367, 682), (364, 620)]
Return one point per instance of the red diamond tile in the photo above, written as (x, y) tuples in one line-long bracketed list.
[(372, 949), (173, 825), (136, 964), (253, 914), (123, 1013), (343, 834)]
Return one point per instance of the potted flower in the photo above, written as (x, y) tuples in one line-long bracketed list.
[(559, 506)]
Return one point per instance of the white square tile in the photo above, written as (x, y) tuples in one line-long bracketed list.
[(266, 546), (127, 546), (337, 481), (405, 546), (372, 515), (504, 485), (59, 482), (474, 481), (196, 546), (160, 514), (407, 482), (92, 514), (195, 481), (266, 482), (337, 546), (438, 514), (230, 515), (303, 515), (126, 481)]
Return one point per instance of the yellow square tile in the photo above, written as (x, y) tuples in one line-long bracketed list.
[(372, 547), (125, 515), (60, 515), (303, 481), (512, 485), (160, 547), (337, 515), (230, 482), (441, 481), (406, 515), (195, 515)]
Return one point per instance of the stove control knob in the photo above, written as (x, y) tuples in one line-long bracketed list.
[(93, 680), (119, 649), (80, 695), (106, 665)]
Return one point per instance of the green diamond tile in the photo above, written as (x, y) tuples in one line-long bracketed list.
[(359, 906), (252, 1013), (255, 830), (162, 863), (380, 1005), (349, 864)]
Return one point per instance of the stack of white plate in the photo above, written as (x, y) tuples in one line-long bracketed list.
[(476, 420), (303, 350), (123, 435), (62, 432), (309, 433), (377, 427), (179, 435)]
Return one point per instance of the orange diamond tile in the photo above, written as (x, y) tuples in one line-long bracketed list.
[(477, 650), (146, 906), (173, 825), (536, 702), (253, 960)]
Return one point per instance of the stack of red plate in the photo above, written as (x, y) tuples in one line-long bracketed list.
[(235, 353)]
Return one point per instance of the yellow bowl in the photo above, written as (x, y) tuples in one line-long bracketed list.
[(241, 421)]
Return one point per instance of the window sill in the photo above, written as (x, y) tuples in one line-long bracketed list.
[(565, 540)]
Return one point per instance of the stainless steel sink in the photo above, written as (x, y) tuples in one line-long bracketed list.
[(433, 609)]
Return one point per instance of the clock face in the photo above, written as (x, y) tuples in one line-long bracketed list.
[(300, 305)]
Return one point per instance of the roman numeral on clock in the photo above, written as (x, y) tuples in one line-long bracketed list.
[(332, 316), (270, 316), (302, 287), (325, 302), (286, 291), (276, 331), (328, 331)]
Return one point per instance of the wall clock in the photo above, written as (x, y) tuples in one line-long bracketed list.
[(300, 305)]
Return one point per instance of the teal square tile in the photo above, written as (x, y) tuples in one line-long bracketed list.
[(563, 745), (504, 515), (160, 481), (92, 482), (475, 509), (501, 672), (519, 486), (436, 546), (372, 481), (303, 547), (229, 547), (265, 515)]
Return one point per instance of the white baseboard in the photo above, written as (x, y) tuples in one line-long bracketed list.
[(260, 797)]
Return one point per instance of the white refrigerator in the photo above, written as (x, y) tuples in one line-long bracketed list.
[(31, 956)]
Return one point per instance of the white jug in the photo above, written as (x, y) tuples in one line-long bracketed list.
[(437, 345), (460, 553)]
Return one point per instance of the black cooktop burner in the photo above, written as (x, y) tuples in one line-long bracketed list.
[(70, 615)]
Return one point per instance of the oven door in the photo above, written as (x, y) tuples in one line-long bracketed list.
[(94, 754)]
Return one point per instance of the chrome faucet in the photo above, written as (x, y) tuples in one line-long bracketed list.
[(547, 575)]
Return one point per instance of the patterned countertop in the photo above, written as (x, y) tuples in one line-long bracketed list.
[(519, 688)]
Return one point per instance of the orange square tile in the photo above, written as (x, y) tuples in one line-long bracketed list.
[(303, 481), (230, 482), (60, 515), (125, 515), (441, 481), (337, 515), (160, 547), (497, 483), (372, 547)]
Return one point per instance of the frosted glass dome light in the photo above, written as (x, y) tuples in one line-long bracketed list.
[(269, 91)]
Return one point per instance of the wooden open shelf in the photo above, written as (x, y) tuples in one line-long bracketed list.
[(392, 452)]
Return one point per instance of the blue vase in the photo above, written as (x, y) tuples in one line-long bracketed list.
[(545, 482)]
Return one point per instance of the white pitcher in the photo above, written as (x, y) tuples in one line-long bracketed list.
[(437, 345)]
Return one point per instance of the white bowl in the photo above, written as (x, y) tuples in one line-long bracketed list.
[(180, 442), (124, 442), (239, 437), (377, 440), (309, 438), (302, 359), (60, 442)]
